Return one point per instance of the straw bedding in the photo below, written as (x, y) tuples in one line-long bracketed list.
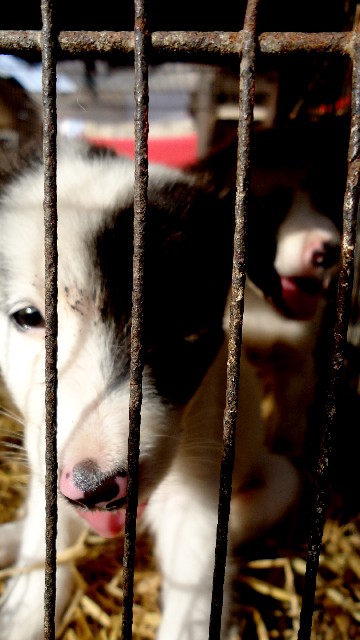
[(267, 587)]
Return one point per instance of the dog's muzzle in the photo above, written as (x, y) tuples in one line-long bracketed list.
[(98, 496)]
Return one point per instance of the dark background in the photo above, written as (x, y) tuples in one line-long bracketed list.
[(200, 15)]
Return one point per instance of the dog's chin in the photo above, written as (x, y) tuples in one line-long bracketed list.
[(107, 523), (300, 297)]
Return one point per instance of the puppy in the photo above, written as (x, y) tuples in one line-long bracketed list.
[(298, 177), (284, 314), (188, 268)]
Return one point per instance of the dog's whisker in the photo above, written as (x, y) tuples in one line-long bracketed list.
[(12, 452), (12, 416), (167, 436)]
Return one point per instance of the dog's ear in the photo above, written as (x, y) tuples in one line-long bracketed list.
[(217, 169), (22, 116), (188, 264), (268, 202), (265, 215), (99, 151), (326, 179), (15, 160), (189, 255)]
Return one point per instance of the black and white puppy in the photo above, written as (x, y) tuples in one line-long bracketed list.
[(187, 276), (283, 322)]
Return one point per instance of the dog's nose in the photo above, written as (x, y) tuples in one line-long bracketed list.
[(87, 475), (87, 485), (327, 255), (105, 495)]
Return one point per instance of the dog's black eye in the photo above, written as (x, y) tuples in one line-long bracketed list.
[(28, 318)]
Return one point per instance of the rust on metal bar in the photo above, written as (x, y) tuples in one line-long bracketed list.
[(187, 45), (20, 41), (246, 104), (51, 322), (351, 205), (141, 123), (291, 42)]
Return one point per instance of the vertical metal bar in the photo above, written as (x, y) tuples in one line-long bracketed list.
[(351, 205), (246, 104), (50, 224), (141, 95)]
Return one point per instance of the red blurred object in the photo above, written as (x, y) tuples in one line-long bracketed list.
[(172, 151)]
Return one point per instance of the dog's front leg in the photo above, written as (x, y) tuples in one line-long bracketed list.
[(184, 523), (22, 606)]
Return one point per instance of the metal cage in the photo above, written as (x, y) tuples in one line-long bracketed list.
[(245, 48)]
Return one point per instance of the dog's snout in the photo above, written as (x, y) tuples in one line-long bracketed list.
[(87, 485), (98, 495), (326, 256)]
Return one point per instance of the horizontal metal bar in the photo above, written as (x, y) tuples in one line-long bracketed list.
[(190, 44)]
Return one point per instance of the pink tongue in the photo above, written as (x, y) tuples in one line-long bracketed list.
[(107, 524), (303, 305)]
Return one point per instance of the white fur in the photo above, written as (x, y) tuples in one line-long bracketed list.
[(180, 450), (300, 230)]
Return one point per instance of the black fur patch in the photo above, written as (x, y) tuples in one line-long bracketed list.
[(188, 261), (265, 217)]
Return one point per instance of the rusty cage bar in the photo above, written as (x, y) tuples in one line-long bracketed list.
[(141, 44)]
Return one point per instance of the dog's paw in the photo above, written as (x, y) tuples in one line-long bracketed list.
[(10, 537), (21, 609)]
